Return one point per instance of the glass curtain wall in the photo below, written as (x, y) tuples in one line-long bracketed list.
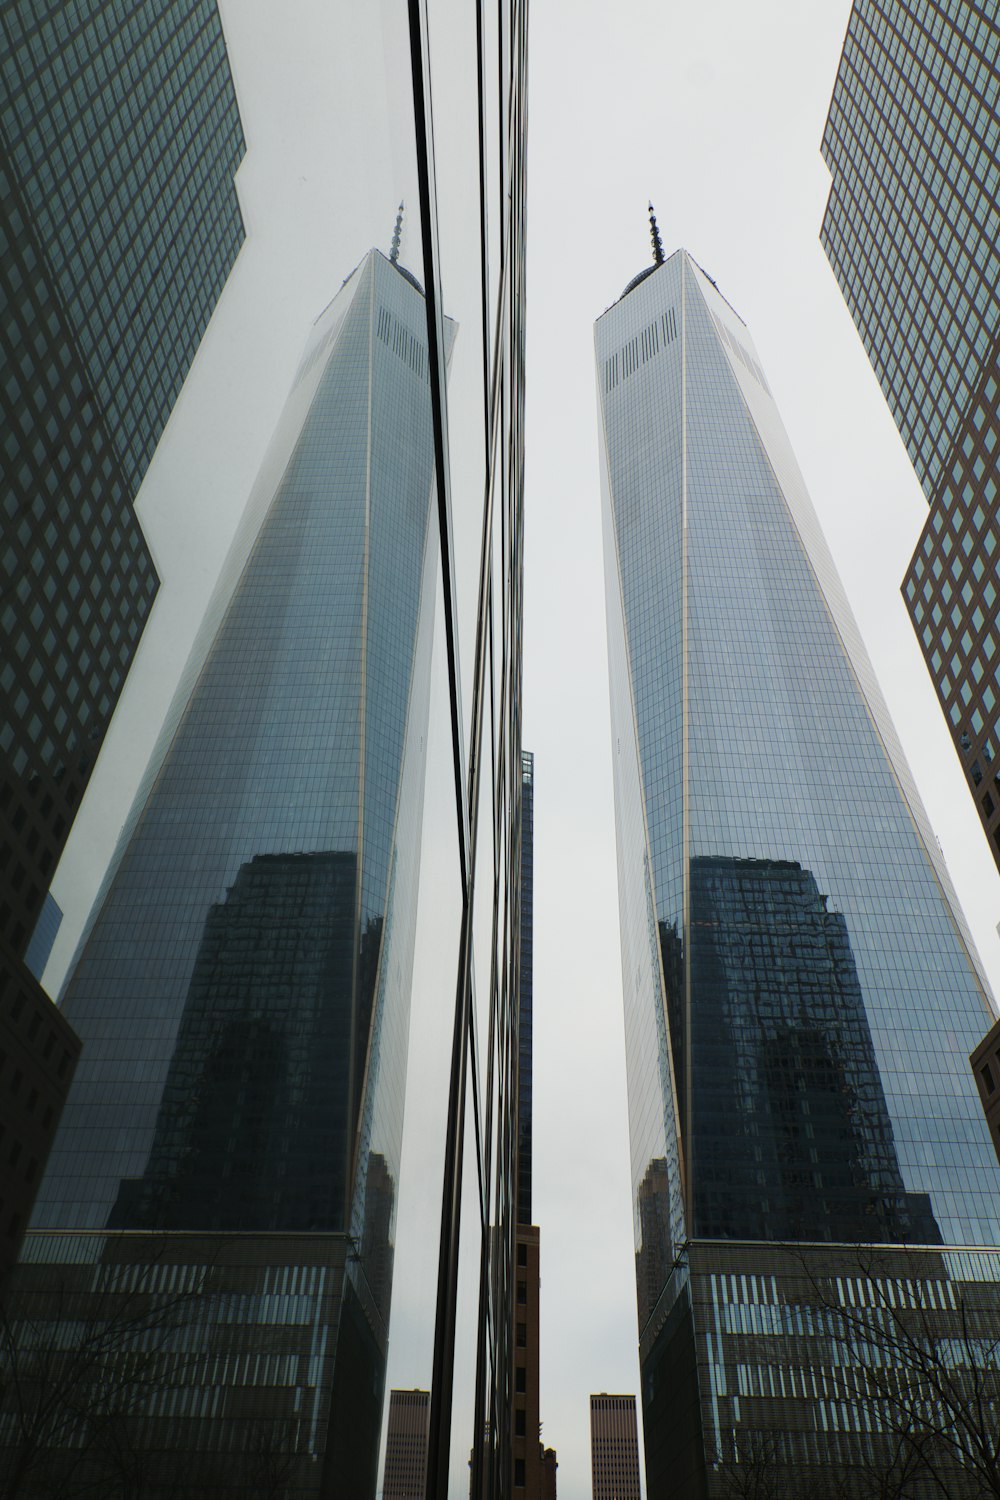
[(800, 993)]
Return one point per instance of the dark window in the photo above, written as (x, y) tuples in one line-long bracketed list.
[(522, 1335), (519, 1422), (988, 805), (986, 1072), (977, 773), (519, 1473), (522, 1255), (522, 1293), (520, 1380)]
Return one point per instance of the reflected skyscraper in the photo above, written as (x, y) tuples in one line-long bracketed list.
[(222, 1189), (800, 992)]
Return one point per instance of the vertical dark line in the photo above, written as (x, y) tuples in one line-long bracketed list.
[(435, 354)]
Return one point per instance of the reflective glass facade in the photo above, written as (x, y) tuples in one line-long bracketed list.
[(243, 993), (912, 229), (800, 993), (119, 223), (119, 141)]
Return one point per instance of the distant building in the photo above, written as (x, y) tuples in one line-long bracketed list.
[(614, 1448), (912, 231), (549, 1467), (526, 1417), (531, 1468), (405, 1474)]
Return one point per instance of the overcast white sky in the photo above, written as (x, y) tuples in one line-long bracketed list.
[(714, 111)]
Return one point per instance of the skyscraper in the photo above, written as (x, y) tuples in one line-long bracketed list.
[(800, 993), (911, 230), (614, 1448), (533, 1466), (405, 1475), (119, 223), (231, 1143), (525, 989)]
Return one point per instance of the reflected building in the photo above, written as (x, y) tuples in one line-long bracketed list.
[(120, 139), (231, 1141), (800, 992), (533, 1465), (614, 1448)]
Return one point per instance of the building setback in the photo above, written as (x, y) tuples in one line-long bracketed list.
[(119, 223), (243, 993), (614, 1448), (405, 1476), (912, 230), (786, 923)]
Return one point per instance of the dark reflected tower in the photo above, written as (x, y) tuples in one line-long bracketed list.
[(800, 995), (235, 1127)]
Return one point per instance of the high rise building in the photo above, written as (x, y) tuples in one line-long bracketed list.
[(220, 1201), (119, 223), (800, 992), (525, 989), (405, 1476), (614, 1448), (912, 230), (533, 1465)]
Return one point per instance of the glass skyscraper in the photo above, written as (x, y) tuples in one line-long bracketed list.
[(211, 1252), (800, 992), (912, 231)]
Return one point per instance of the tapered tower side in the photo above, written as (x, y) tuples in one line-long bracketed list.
[(786, 919), (233, 1134)]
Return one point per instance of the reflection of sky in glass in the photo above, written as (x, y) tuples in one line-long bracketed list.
[(752, 738)]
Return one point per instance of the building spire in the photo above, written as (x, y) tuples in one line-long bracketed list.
[(658, 256), (397, 235)]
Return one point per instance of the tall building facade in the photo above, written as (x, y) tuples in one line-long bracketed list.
[(533, 1466), (525, 989), (614, 1448), (911, 230), (405, 1476), (119, 223), (800, 991), (220, 1201)]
